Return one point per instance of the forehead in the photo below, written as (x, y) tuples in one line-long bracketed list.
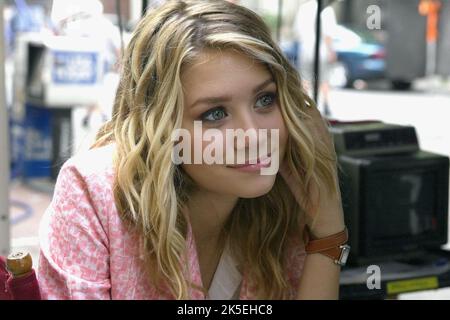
[(217, 70)]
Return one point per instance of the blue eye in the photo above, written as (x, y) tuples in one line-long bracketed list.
[(266, 100), (214, 114)]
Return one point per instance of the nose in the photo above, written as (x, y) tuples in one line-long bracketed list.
[(247, 124)]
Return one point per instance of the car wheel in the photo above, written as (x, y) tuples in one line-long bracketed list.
[(401, 85), (349, 81)]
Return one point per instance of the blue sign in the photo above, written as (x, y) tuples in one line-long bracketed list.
[(37, 152), (74, 67)]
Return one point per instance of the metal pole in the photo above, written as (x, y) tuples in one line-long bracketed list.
[(120, 22), (145, 4), (317, 51), (136, 10), (279, 20), (4, 149)]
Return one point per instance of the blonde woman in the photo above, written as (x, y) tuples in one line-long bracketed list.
[(128, 222)]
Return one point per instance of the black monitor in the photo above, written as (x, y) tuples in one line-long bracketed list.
[(395, 204)]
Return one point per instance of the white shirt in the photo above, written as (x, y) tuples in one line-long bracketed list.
[(227, 279)]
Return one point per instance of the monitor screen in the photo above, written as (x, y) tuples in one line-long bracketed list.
[(402, 204)]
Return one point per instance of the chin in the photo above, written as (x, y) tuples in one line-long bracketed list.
[(255, 187)]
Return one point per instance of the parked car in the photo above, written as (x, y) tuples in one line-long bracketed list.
[(360, 55)]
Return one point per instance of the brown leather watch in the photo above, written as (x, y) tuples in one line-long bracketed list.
[(334, 247)]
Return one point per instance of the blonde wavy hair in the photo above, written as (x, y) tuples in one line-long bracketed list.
[(151, 192)]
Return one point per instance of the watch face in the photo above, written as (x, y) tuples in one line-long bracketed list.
[(344, 254)]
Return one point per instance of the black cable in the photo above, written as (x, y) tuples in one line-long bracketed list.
[(120, 22), (144, 6), (279, 20), (317, 51)]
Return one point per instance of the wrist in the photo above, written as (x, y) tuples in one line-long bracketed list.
[(334, 247), (325, 231), (328, 221)]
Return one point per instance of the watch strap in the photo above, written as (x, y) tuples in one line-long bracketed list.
[(334, 246), (330, 244)]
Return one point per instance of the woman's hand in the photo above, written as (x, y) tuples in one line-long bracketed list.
[(324, 216)]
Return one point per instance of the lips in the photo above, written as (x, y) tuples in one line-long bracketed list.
[(262, 162)]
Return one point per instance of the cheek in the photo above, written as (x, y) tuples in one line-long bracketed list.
[(276, 122), (204, 166), (211, 178), (283, 135)]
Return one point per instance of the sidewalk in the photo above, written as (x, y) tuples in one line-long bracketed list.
[(28, 204)]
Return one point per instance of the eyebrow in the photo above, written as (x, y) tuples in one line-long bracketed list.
[(226, 98)]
